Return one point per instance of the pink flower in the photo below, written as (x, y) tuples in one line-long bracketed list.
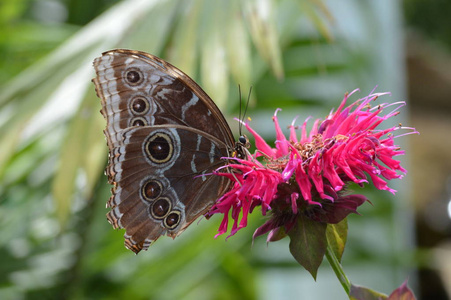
[(307, 173)]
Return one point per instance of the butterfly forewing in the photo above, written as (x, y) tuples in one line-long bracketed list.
[(126, 78), (165, 135)]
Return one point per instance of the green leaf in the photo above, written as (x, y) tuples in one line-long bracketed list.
[(308, 243), (11, 10), (336, 237), (10, 139), (77, 151), (363, 293), (321, 21), (95, 152), (184, 53), (264, 33), (214, 68), (157, 21), (238, 46)]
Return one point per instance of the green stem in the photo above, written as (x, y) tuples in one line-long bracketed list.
[(336, 266)]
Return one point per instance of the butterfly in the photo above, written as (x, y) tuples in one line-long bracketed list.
[(165, 136)]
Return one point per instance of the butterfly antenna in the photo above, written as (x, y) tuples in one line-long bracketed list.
[(247, 102), (239, 116)]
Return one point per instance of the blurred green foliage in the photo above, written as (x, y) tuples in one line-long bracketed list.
[(55, 241), (431, 18)]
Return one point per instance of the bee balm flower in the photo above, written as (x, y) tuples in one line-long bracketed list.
[(307, 172)]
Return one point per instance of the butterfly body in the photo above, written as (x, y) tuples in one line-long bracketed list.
[(165, 136)]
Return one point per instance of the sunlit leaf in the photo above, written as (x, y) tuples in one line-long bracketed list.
[(11, 10), (73, 155), (238, 46), (336, 237), (95, 151), (321, 22), (214, 69), (7, 146), (259, 15), (183, 53), (151, 32)]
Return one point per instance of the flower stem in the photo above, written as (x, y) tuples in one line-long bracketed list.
[(336, 266)]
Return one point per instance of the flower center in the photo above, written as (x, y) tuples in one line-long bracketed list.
[(306, 150), (317, 143), (309, 149)]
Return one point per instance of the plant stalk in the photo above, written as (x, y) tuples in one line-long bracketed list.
[(338, 269)]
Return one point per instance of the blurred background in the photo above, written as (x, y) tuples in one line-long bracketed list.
[(299, 55)]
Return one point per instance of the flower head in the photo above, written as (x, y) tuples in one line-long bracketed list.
[(307, 172)]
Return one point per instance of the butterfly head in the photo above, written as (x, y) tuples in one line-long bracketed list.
[(241, 147)]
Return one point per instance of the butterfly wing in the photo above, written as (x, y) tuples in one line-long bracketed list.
[(137, 88), (164, 136), (162, 182)]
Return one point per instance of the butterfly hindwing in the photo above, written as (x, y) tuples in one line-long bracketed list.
[(162, 181)]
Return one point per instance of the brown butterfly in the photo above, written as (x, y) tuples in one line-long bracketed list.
[(165, 135)]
